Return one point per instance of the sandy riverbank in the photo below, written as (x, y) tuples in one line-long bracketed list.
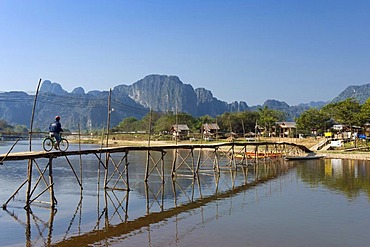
[(345, 155), (330, 154)]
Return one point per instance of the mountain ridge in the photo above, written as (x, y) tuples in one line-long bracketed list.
[(88, 110)]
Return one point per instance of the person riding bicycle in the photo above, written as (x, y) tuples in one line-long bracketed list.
[(55, 128)]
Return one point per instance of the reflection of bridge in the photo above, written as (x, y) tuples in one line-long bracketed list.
[(262, 174), (115, 207), (192, 162)]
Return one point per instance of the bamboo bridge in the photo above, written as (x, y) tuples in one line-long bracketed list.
[(194, 158)]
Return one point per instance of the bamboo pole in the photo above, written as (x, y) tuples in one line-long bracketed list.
[(216, 165), (177, 125), (42, 192), (74, 172), (99, 158), (148, 152), (29, 180), (1, 162), (174, 163), (13, 195), (194, 166), (150, 127), (29, 168), (109, 112), (79, 148), (33, 114), (51, 182), (163, 154), (107, 141), (127, 176)]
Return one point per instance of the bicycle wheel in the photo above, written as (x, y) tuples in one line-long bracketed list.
[(63, 145), (47, 144)]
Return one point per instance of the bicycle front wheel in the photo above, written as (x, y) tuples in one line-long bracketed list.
[(63, 145), (47, 144)]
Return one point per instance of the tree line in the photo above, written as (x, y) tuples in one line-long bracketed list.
[(5, 127), (236, 122), (348, 112)]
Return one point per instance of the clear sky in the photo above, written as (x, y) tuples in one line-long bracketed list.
[(250, 50)]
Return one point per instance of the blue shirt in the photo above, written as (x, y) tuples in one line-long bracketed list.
[(55, 127)]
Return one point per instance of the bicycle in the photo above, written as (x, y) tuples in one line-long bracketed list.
[(49, 143)]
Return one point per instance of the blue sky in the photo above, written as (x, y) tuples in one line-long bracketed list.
[(293, 51)]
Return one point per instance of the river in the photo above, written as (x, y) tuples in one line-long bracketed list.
[(313, 203)]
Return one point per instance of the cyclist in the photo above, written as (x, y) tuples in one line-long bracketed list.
[(55, 128)]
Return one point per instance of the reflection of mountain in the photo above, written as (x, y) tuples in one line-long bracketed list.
[(350, 177)]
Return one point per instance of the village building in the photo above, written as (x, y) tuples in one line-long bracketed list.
[(286, 129), (180, 131), (210, 130), (367, 129)]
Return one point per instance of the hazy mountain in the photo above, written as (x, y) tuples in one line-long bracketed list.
[(360, 93), (16, 107), (291, 112), (158, 92)]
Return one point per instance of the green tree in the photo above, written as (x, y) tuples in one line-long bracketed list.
[(344, 112), (152, 117), (164, 123), (238, 122), (364, 114), (198, 122), (312, 119), (5, 127), (127, 125), (20, 129), (226, 122), (268, 118)]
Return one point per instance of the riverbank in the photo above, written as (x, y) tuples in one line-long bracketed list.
[(345, 155), (308, 142)]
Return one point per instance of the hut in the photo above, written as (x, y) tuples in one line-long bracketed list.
[(367, 129), (180, 131), (210, 130), (286, 129)]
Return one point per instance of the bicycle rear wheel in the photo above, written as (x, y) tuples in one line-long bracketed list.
[(47, 144), (63, 145)]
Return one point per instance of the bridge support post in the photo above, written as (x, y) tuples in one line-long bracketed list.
[(106, 171), (173, 173), (29, 182), (51, 182), (216, 165)]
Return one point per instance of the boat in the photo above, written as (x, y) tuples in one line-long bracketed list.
[(307, 157), (258, 155)]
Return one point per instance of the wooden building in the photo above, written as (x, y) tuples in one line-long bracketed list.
[(210, 130), (286, 129), (180, 131)]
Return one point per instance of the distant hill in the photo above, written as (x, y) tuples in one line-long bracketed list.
[(360, 93), (291, 112), (89, 110), (163, 93)]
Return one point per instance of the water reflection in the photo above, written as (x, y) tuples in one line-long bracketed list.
[(181, 205), (116, 213), (349, 177), (42, 227)]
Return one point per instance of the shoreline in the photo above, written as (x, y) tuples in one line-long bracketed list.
[(334, 154), (345, 155)]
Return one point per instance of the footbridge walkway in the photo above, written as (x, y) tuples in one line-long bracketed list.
[(192, 158)]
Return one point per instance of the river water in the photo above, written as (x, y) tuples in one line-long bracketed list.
[(302, 203)]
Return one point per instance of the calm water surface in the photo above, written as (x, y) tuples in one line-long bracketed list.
[(313, 203)]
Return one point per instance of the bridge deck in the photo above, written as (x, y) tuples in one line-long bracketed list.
[(54, 154)]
